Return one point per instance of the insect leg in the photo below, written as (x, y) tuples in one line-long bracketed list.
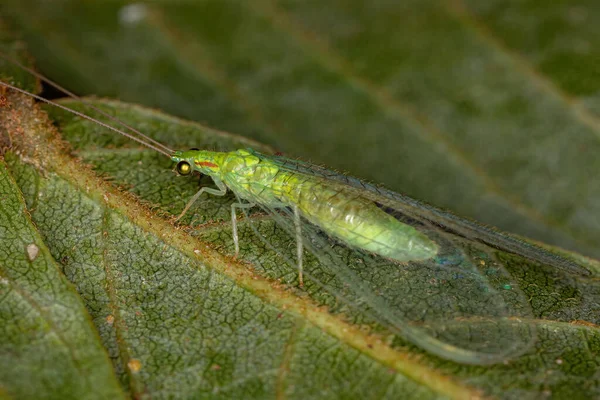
[(221, 191), (236, 239), (299, 244)]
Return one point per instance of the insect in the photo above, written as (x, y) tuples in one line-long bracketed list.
[(330, 205), (417, 272)]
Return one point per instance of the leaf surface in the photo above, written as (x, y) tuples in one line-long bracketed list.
[(49, 345)]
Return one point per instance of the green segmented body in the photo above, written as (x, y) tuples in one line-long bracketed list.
[(331, 206)]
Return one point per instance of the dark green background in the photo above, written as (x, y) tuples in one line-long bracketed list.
[(488, 108)]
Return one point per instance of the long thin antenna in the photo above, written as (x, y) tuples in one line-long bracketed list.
[(82, 115), (86, 102)]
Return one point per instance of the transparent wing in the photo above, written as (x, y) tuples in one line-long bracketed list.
[(461, 305), (446, 221)]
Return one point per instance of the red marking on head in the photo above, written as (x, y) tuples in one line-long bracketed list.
[(206, 164)]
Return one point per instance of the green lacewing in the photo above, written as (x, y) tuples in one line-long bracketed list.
[(415, 271)]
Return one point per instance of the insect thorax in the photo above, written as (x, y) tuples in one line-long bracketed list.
[(252, 178)]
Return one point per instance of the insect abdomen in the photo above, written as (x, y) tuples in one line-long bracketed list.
[(357, 221)]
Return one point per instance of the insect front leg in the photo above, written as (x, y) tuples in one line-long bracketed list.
[(221, 191), (236, 239)]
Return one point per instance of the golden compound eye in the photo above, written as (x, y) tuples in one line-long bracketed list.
[(184, 168)]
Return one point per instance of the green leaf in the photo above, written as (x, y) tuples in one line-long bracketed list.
[(49, 347), (489, 108), (179, 317)]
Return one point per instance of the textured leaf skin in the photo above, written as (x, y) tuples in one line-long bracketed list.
[(49, 347), (488, 108)]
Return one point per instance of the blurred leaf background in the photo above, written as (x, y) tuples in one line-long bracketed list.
[(488, 108)]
